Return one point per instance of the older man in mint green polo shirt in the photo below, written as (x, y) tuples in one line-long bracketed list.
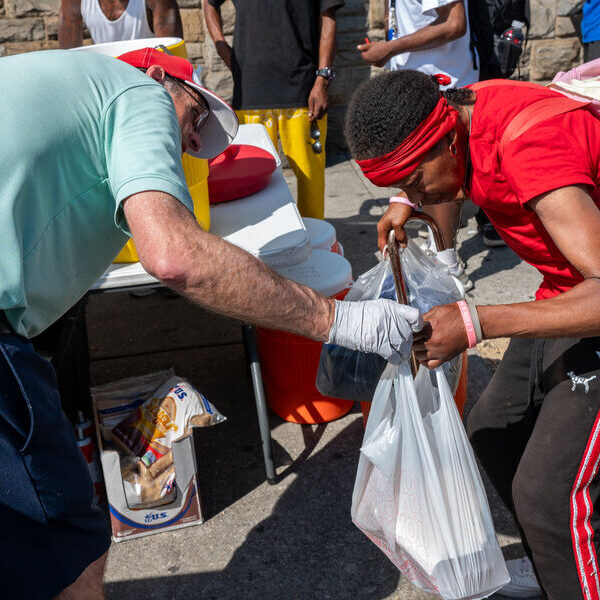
[(91, 153)]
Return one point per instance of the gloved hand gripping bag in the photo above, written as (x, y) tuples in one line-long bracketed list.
[(346, 373), (353, 375)]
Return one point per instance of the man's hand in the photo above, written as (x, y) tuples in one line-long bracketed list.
[(451, 24), (382, 327), (318, 102), (376, 53), (394, 218), (442, 338)]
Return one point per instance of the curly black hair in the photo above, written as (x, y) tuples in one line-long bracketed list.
[(386, 109)]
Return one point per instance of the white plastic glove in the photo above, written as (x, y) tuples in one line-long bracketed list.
[(381, 326)]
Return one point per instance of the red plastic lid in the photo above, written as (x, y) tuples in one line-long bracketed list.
[(239, 171)]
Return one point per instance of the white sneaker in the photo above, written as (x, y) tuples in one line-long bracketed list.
[(450, 258), (425, 245), (523, 582), (459, 272)]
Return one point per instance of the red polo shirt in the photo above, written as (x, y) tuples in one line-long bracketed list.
[(561, 151)]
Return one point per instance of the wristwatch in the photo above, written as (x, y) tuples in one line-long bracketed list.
[(326, 72)]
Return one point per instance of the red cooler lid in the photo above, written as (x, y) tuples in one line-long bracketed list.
[(239, 171)]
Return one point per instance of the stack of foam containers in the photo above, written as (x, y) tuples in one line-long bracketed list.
[(289, 362)]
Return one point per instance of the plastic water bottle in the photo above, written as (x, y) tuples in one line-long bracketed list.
[(85, 425), (510, 46), (392, 31)]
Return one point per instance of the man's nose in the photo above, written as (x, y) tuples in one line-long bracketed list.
[(194, 141)]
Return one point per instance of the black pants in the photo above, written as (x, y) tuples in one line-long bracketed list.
[(591, 50), (536, 430)]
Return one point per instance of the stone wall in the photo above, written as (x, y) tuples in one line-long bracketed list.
[(28, 25)]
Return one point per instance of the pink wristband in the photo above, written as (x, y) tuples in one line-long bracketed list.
[(465, 313), (402, 200)]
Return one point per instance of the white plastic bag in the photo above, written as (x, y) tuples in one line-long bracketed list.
[(353, 375), (418, 494), (428, 283), (427, 280), (350, 374)]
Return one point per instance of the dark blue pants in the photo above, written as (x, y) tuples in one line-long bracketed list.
[(49, 530)]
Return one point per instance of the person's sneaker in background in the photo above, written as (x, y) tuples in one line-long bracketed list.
[(459, 272), (425, 245), (488, 232), (491, 237), (456, 267), (523, 582)]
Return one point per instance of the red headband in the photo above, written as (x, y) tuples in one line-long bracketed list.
[(389, 169)]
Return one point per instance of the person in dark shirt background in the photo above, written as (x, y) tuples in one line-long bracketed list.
[(281, 62)]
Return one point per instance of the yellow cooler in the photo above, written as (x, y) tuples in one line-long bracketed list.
[(196, 175), (195, 169)]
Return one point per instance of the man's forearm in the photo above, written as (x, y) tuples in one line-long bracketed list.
[(214, 23), (575, 313), (70, 30), (218, 275), (450, 25), (167, 21), (230, 281), (430, 36), (327, 39)]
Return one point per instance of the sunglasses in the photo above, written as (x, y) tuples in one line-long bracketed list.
[(203, 114), (315, 134)]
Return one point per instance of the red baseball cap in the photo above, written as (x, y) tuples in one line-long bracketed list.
[(222, 123)]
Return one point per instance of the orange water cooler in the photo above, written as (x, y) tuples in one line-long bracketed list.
[(289, 362)]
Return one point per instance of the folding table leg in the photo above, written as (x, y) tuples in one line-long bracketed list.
[(249, 335)]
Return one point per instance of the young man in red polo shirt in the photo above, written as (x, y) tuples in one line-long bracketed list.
[(536, 428)]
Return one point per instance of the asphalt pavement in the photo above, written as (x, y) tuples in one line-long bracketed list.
[(294, 539)]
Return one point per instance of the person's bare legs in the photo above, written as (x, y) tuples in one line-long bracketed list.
[(447, 217), (89, 585)]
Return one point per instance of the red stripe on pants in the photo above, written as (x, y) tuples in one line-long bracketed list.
[(581, 511)]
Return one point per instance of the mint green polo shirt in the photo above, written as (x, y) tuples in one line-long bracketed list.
[(81, 132)]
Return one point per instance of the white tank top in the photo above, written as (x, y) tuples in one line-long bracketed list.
[(131, 25)]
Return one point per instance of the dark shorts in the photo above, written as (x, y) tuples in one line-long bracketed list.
[(49, 530)]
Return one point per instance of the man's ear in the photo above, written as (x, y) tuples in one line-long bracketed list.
[(157, 73)]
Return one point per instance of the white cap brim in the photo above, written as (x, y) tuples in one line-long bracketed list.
[(221, 126)]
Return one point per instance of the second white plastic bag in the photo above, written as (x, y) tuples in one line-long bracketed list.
[(418, 494)]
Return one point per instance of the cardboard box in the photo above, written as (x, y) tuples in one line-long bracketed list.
[(184, 511)]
